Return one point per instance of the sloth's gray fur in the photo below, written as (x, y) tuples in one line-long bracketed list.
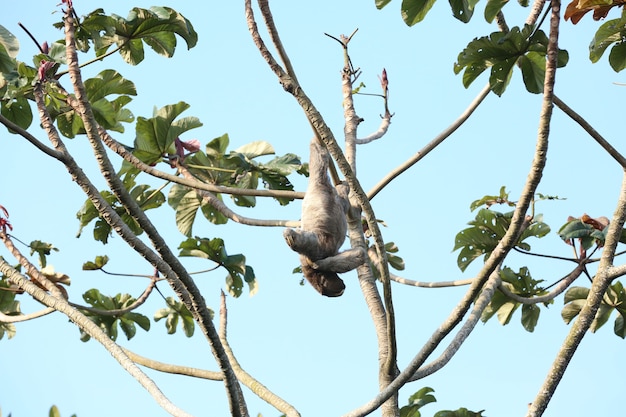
[(323, 228)]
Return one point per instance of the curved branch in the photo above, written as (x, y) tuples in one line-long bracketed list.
[(173, 369), (603, 278), (519, 222), (5, 318), (558, 289), (324, 134), (33, 140), (120, 311), (248, 380), (436, 284)]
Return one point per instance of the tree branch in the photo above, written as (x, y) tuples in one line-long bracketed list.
[(190, 295), (248, 380), (431, 145), (89, 327), (120, 311), (191, 181), (591, 131)]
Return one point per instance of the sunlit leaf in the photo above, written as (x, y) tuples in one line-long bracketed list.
[(414, 11), (492, 8)]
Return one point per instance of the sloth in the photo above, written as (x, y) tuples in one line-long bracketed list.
[(323, 228)]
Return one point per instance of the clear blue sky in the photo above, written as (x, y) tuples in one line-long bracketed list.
[(320, 354)]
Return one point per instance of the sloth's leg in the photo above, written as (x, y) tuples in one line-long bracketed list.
[(342, 262)]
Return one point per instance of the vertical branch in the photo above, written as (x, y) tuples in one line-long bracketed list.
[(323, 133), (387, 335), (601, 282)]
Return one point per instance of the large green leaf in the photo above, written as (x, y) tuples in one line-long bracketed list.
[(609, 33), (143, 195), (10, 43), (492, 8), (414, 11), (155, 136), (463, 9), (18, 111)]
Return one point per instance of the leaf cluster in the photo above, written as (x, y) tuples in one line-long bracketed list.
[(614, 300), (176, 312), (156, 27), (109, 323), (501, 52), (423, 397), (520, 283), (146, 197), (486, 231), (235, 265)]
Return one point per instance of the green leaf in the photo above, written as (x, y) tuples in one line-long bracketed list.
[(530, 316), (185, 202), (609, 32), (489, 200), (617, 57), (463, 9), (522, 284), (212, 249), (9, 42), (619, 329), (382, 3), (42, 249), (108, 323), (492, 8), (255, 149), (414, 11), (106, 83), (17, 110), (54, 412), (155, 136), (8, 306), (174, 313), (576, 229), (98, 263), (417, 401), (461, 412), (501, 51), (533, 67)]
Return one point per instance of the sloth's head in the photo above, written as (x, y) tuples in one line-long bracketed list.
[(325, 282)]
